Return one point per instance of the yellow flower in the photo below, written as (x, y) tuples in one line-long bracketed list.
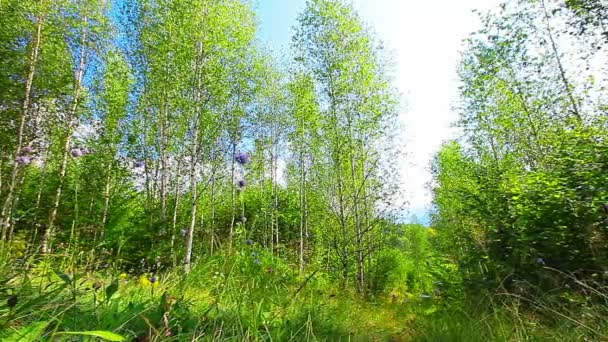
[(144, 281)]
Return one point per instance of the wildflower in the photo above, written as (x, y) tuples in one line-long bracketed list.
[(257, 261), (144, 281), (23, 160), (242, 183), (11, 301), (138, 164), (27, 150), (242, 158), (76, 153), (153, 279), (249, 242)]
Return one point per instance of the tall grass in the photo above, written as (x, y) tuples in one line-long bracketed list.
[(572, 310), (230, 297), (226, 297)]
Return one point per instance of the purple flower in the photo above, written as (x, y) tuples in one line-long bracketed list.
[(23, 160), (153, 279), (249, 242), (242, 183), (27, 150), (257, 261), (76, 153), (138, 164), (242, 158)]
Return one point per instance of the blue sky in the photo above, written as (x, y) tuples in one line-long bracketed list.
[(425, 38)]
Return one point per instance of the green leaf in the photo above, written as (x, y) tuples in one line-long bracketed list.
[(30, 333), (106, 335), (111, 289), (63, 276)]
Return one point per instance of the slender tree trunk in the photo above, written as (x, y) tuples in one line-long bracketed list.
[(2, 158), (359, 232), (194, 159), (39, 197), (273, 180), (150, 193), (562, 71), (366, 223), (193, 190), (11, 227), (163, 170), (523, 99), (232, 196), (212, 224), (163, 175), (174, 219), (73, 239), (164, 145), (106, 203), (336, 159), (48, 235), (356, 198), (302, 209), (5, 216)]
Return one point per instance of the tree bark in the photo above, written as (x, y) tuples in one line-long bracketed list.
[(194, 159)]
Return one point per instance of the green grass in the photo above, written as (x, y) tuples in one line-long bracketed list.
[(230, 298), (514, 318), (224, 298)]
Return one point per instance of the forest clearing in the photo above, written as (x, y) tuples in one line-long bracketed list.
[(165, 176)]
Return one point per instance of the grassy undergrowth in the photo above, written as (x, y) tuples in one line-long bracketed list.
[(232, 297), (560, 315), (221, 299)]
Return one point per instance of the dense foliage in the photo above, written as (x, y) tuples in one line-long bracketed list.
[(163, 133), (521, 202), (164, 177)]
